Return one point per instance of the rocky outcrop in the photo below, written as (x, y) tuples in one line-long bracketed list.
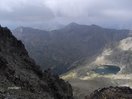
[(21, 78), (112, 93)]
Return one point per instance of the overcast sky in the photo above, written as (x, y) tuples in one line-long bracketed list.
[(39, 13)]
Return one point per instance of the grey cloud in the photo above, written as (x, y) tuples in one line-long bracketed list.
[(28, 13), (38, 12)]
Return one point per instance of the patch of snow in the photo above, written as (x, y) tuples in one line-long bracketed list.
[(70, 75), (101, 59)]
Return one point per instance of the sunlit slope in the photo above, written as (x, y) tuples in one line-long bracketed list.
[(84, 79)]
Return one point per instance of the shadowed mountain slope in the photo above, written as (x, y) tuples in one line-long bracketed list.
[(68, 47)]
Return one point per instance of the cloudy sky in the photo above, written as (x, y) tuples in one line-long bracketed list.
[(42, 13)]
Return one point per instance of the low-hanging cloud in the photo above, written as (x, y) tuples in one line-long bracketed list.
[(116, 13)]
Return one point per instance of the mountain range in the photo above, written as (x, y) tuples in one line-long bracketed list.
[(68, 47), (90, 75)]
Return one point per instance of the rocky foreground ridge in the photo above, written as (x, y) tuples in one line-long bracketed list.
[(112, 93), (21, 78)]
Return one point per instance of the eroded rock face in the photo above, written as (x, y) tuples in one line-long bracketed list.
[(112, 93), (19, 71)]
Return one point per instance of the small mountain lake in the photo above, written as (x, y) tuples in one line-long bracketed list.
[(107, 69)]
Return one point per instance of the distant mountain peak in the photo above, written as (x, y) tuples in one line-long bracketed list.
[(95, 26), (20, 29), (73, 24)]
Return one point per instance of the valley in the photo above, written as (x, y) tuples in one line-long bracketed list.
[(89, 57)]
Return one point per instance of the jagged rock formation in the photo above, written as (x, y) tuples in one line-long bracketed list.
[(112, 93), (21, 78)]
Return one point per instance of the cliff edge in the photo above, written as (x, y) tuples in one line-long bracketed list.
[(21, 78)]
